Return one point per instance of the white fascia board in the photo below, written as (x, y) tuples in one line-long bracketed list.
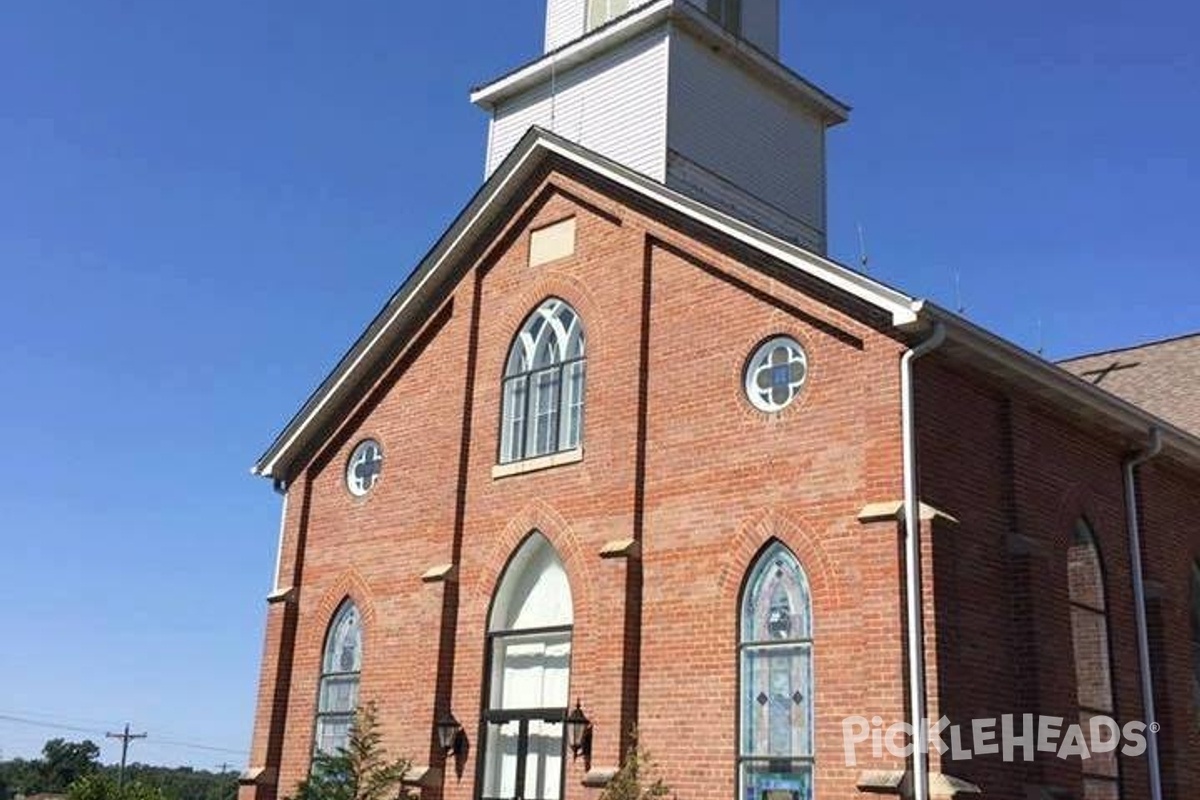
[(266, 467), (694, 21), (898, 304)]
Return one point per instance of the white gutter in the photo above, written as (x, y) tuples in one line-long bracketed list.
[(1139, 600), (912, 565)]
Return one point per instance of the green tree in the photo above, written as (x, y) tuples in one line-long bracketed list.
[(103, 787), (20, 776), (65, 762), (638, 778), (361, 770)]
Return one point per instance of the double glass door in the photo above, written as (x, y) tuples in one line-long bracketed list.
[(525, 753)]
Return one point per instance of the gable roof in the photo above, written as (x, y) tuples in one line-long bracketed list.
[(537, 150), (491, 203), (1162, 377)]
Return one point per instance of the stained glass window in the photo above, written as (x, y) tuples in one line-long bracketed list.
[(529, 634), (340, 668), (775, 750), (544, 385), (1093, 667), (776, 373)]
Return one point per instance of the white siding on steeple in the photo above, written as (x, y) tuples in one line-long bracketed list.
[(760, 24), (615, 105), (568, 20), (738, 134), (565, 20)]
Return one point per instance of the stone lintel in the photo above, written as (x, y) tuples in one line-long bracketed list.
[(285, 594), (442, 573), (894, 510), (599, 777), (621, 548)]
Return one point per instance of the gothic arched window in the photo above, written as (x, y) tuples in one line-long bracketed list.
[(529, 673), (543, 385), (340, 667), (1093, 667), (775, 744)]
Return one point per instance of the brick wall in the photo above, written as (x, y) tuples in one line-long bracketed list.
[(674, 456), (1018, 475)]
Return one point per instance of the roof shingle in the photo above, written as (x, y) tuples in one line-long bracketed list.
[(1162, 377)]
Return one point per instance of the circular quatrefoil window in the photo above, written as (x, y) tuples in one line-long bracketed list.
[(776, 373), (364, 467)]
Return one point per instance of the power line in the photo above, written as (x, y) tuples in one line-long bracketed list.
[(100, 732), (211, 748), (56, 725)]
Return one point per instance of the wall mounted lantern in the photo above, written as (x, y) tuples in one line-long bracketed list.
[(579, 732), (449, 732)]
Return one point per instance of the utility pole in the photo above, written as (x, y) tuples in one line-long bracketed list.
[(126, 737)]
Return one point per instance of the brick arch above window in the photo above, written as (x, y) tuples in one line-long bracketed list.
[(755, 535), (541, 517), (349, 586), (519, 304)]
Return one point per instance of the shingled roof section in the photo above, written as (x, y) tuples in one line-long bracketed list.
[(1161, 377)]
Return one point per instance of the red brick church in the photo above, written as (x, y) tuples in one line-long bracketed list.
[(626, 449)]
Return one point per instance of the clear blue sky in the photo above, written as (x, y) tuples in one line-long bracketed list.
[(202, 204)]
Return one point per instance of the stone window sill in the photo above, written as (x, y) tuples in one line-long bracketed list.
[(538, 464)]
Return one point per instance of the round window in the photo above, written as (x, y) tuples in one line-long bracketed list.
[(362, 471), (776, 373)]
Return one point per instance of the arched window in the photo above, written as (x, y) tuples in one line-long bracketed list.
[(340, 668), (543, 385), (775, 746), (529, 671), (1093, 668), (1196, 638)]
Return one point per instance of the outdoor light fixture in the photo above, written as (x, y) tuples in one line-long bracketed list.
[(579, 732), (449, 732)]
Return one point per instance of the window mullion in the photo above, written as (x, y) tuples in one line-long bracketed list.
[(525, 422), (558, 404), (522, 756)]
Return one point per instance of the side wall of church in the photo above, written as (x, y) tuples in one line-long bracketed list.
[(1017, 475)]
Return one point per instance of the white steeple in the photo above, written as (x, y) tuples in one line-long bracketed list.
[(691, 94), (756, 21)]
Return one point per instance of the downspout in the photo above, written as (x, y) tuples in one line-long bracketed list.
[(282, 489), (1133, 516), (912, 564)]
